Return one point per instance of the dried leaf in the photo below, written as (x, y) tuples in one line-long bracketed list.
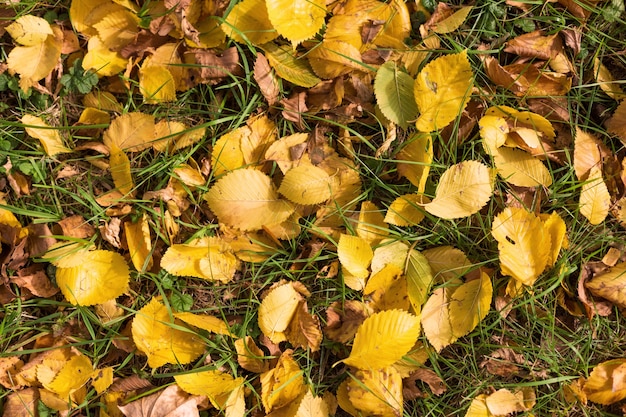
[(288, 66), (610, 284)]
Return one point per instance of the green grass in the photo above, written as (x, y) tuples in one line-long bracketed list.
[(555, 347)]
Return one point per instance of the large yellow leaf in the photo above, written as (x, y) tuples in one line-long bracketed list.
[(595, 200), (436, 321), (29, 30), (34, 62), (523, 244), (288, 66), (102, 60), (394, 94), (247, 200), (283, 384), (210, 258), (610, 284), (520, 168), (120, 171), (49, 137), (139, 243), (296, 20), (606, 382), (97, 276), (131, 132), (442, 90), (157, 84), (419, 278), (376, 392), (462, 190), (415, 158), (248, 21), (469, 305), (355, 255), (74, 374), (160, 337), (382, 339), (306, 184), (276, 311)]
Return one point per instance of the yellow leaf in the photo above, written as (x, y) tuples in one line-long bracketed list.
[(610, 284), (276, 311), (442, 90), (227, 155), (296, 20), (607, 82), (523, 244), (520, 168), (606, 382), (311, 406), (34, 62), (462, 190), (117, 29), (249, 356), (159, 337), (263, 133), (478, 407), (49, 137), (304, 329), (247, 200), (376, 392), (156, 84), (205, 322), (293, 69), (209, 258), (389, 252), (102, 60), (388, 290), (415, 158), (280, 151), (331, 59), (419, 278), (167, 56), (453, 22), (306, 184), (436, 320), (371, 226), (29, 30), (139, 243), (283, 384), (174, 135), (355, 255), (74, 374), (102, 379), (448, 264), (556, 228), (407, 210), (588, 152), (79, 11), (96, 277), (469, 305), (211, 383), (382, 339), (595, 200), (248, 21), (102, 100), (493, 131), (504, 402), (120, 171), (130, 132), (92, 116)]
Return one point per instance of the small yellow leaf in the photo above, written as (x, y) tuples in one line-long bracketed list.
[(247, 200), (209, 258), (447, 263), (296, 20), (92, 116), (205, 322), (610, 284), (120, 171), (588, 152), (276, 311), (102, 100), (312, 406), (155, 335), (306, 184), (436, 320), (493, 131), (211, 383), (376, 392), (98, 276), (130, 132), (520, 168), (248, 21), (462, 190), (355, 255), (478, 407), (606, 382), (504, 402), (29, 30), (407, 210), (556, 228), (371, 226), (101, 379), (595, 200), (49, 137), (382, 339), (442, 90), (227, 155), (389, 252), (469, 305), (139, 243), (156, 84), (74, 374), (288, 66), (283, 384), (117, 28), (280, 151), (415, 158)]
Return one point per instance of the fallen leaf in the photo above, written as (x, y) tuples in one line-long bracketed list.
[(296, 20), (49, 136)]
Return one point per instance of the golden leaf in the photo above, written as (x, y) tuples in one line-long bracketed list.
[(92, 116), (607, 82), (34, 62), (120, 171), (588, 152), (382, 339), (139, 243), (263, 133), (227, 155), (520, 168), (595, 200), (296, 20), (95, 277), (280, 151), (610, 284), (249, 356), (415, 158), (102, 100), (504, 402), (389, 252), (288, 66), (331, 59), (605, 384), (355, 255), (74, 374), (557, 230), (376, 392), (29, 30), (247, 200), (371, 226), (160, 337), (49, 137), (304, 329), (306, 184), (102, 379), (469, 305), (453, 22), (493, 131), (211, 383), (407, 210), (311, 406), (209, 258), (156, 84), (276, 311), (248, 21), (205, 322), (478, 407), (388, 290), (436, 320), (442, 90), (283, 384), (523, 244), (130, 132), (117, 29), (462, 190), (102, 60)]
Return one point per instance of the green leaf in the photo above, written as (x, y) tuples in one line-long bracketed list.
[(288, 66), (419, 279), (394, 94)]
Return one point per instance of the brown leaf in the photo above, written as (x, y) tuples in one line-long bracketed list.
[(573, 38), (435, 383), (295, 106), (304, 329), (111, 231), (592, 306), (342, 323), (22, 403), (579, 8), (34, 278), (535, 45), (171, 402), (325, 95), (74, 226), (500, 76), (131, 383), (144, 41), (215, 68), (39, 239), (265, 78)]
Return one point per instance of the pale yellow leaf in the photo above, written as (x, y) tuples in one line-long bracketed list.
[(588, 152), (139, 243), (521, 168), (157, 84), (382, 339), (436, 320), (209, 258), (415, 158), (96, 277), (407, 210), (442, 90), (162, 339), (595, 200), (312, 406), (371, 226), (355, 255), (448, 264), (280, 151), (469, 305), (556, 228), (79, 11), (263, 133), (49, 137), (29, 30), (453, 22), (211, 383), (227, 155), (389, 252), (376, 392), (248, 21), (288, 66), (462, 190), (247, 200), (306, 184), (504, 402), (478, 407), (117, 29), (102, 100), (276, 311), (607, 82), (130, 132), (493, 131), (296, 20)]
